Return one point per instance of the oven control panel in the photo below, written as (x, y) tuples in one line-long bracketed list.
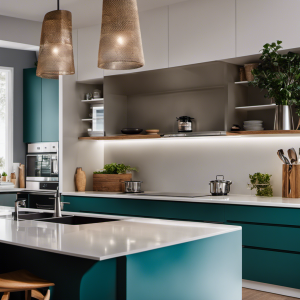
[(48, 185)]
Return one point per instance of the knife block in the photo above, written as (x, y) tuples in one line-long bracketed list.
[(291, 181)]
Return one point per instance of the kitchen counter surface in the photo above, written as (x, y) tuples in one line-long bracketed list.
[(13, 190), (101, 241), (230, 199), (18, 190)]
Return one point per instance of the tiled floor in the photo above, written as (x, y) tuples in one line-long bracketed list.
[(256, 295)]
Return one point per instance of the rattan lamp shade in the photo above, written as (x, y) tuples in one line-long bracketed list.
[(120, 42), (56, 48)]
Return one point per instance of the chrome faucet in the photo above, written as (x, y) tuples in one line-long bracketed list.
[(58, 206), (19, 203)]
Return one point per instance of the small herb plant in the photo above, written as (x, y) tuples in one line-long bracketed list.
[(261, 182), (4, 174), (2, 162), (116, 169), (279, 75)]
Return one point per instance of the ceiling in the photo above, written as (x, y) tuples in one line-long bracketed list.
[(85, 12)]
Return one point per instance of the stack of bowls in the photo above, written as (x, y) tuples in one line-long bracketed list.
[(253, 125)]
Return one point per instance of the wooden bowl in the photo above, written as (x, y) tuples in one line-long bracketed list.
[(152, 131)]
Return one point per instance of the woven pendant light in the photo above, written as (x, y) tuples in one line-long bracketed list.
[(56, 48), (120, 42)]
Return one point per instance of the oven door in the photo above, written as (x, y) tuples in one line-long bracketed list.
[(39, 167)]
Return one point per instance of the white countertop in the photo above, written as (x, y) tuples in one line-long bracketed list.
[(10, 190), (18, 190), (106, 240), (230, 199)]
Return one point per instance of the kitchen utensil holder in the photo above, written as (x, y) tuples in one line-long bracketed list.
[(291, 181)]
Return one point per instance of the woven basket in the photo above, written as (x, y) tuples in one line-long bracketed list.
[(110, 182), (248, 70)]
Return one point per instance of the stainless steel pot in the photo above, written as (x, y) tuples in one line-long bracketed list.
[(220, 187), (133, 186)]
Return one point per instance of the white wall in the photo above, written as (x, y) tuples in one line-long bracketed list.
[(20, 31), (187, 165), (74, 153)]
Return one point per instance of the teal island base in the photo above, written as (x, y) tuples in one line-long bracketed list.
[(206, 269)]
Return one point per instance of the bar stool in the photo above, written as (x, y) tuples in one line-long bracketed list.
[(23, 280)]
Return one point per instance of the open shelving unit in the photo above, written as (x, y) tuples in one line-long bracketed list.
[(208, 92)]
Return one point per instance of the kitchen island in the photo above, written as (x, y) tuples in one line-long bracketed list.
[(271, 253), (126, 258)]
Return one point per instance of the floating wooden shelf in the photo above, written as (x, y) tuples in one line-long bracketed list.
[(90, 120), (121, 137), (234, 133), (256, 107), (242, 82), (264, 132), (100, 100)]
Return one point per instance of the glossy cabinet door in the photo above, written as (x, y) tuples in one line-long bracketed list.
[(40, 108), (266, 21), (88, 48), (50, 110), (32, 107), (8, 199), (154, 30), (201, 31), (201, 212)]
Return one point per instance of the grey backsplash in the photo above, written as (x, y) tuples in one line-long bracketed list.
[(187, 165)]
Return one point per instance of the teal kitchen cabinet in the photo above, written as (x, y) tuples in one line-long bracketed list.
[(40, 108), (32, 107), (50, 110), (8, 199), (273, 267), (186, 211), (271, 247)]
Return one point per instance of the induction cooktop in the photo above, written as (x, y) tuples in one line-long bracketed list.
[(169, 194)]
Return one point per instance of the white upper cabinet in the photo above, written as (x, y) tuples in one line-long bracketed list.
[(88, 47), (154, 30), (266, 21), (200, 31)]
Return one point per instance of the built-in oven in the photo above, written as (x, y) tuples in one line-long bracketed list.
[(42, 166)]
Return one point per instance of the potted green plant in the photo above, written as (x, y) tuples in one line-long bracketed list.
[(279, 75), (111, 178), (4, 175), (261, 182)]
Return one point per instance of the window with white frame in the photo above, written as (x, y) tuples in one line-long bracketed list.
[(6, 119)]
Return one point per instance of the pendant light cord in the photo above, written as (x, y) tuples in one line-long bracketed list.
[(57, 4)]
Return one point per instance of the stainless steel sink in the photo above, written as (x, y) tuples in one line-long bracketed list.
[(77, 220), (33, 216)]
